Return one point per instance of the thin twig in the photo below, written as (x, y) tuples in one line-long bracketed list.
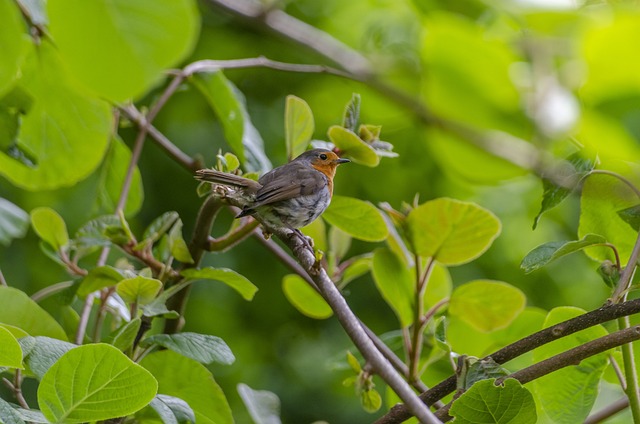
[(186, 161), (259, 62), (627, 273), (3, 282), (608, 411)]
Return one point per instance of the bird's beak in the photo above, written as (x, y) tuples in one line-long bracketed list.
[(341, 160)]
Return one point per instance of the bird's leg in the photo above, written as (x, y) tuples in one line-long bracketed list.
[(307, 241)]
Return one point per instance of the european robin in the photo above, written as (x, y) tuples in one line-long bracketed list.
[(292, 195)]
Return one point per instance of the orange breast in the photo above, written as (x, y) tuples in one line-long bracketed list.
[(329, 171)]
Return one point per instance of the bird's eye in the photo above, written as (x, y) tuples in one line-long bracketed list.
[(323, 156)]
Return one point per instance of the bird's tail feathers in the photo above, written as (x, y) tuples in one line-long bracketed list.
[(213, 176)]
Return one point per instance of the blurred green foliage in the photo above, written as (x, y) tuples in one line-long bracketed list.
[(561, 78)]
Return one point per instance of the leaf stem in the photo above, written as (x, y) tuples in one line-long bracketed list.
[(631, 374), (623, 179), (3, 282), (418, 323)]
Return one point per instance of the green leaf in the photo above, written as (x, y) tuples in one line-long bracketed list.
[(139, 290), (112, 177), (451, 231), (11, 352), (228, 104), (474, 370), (629, 215), (100, 232), (485, 402), (370, 400), (50, 227), (132, 43), (203, 348), (339, 241), (173, 410), (351, 146), (570, 173), (178, 246), (602, 198), (40, 353), (125, 336), (317, 230), (58, 150), (352, 113), (568, 395), (18, 310), (298, 126), (304, 298), (227, 276), (396, 283), (94, 382), (99, 278), (14, 42), (548, 252), (160, 226), (359, 267), (353, 363), (192, 382), (357, 218), (263, 406), (487, 305), (9, 415), (14, 222)]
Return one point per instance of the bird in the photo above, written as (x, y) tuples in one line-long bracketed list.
[(292, 195)]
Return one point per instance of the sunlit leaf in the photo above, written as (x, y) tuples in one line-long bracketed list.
[(11, 352), (94, 382), (50, 227), (352, 113), (370, 400), (203, 348), (352, 146), (190, 381), (602, 198), (13, 44), (357, 218), (60, 151), (131, 43), (396, 283), (177, 245), (451, 231), (17, 309), (298, 126), (304, 298), (139, 290), (548, 252), (487, 305), (227, 276), (228, 104), (487, 403), (263, 406)]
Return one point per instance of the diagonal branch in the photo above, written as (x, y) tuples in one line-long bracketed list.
[(349, 321), (399, 413)]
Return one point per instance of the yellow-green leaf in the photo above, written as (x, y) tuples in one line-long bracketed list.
[(358, 218), (352, 146), (298, 126), (451, 231), (304, 298)]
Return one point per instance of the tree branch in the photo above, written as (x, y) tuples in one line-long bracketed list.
[(346, 317), (399, 413), (570, 357)]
